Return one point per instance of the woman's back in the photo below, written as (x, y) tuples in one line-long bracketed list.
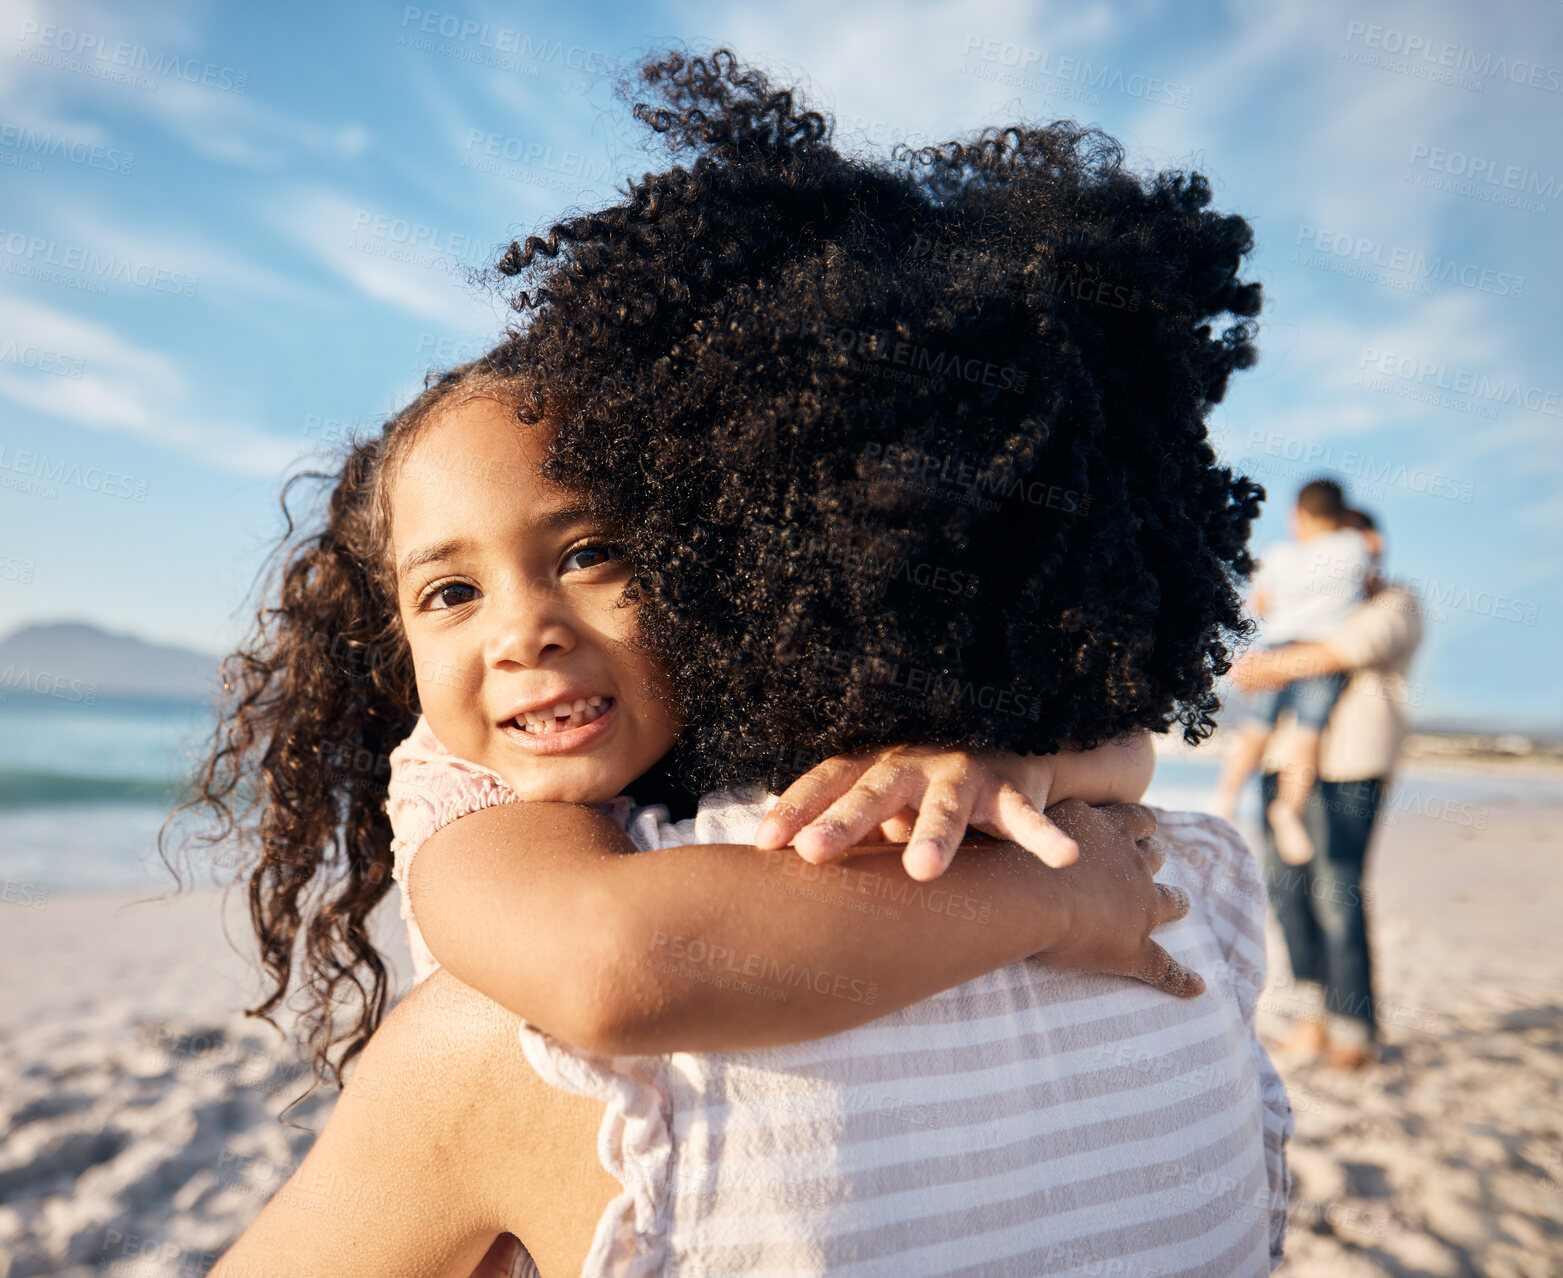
[(1030, 1121)]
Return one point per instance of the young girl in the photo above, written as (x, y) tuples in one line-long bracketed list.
[(791, 591), (523, 624), (453, 486)]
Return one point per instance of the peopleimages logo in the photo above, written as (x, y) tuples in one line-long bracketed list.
[(40, 359), (46, 145), (804, 545), (1437, 375), (1455, 57), (503, 40), (1301, 456), (1478, 168), (41, 474), (24, 254), (882, 346), (922, 684), (48, 684), (1044, 62), (88, 51), (931, 468), (418, 235)]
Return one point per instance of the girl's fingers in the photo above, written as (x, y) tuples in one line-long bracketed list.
[(876, 796), (1011, 815), (941, 825), (1166, 973), (898, 829), (807, 797)]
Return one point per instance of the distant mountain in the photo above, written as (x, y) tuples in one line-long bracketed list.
[(68, 658)]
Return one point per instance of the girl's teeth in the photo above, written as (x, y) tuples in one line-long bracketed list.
[(584, 711)]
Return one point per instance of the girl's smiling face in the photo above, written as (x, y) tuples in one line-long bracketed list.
[(507, 591)]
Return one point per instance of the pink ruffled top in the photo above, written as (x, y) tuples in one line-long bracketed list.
[(430, 787)]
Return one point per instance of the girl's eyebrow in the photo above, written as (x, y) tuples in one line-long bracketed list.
[(431, 554), (564, 515), (455, 545)]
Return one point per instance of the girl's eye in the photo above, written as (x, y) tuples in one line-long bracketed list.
[(441, 593), (589, 557)]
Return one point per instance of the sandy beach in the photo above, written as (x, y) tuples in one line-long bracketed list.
[(141, 1108)]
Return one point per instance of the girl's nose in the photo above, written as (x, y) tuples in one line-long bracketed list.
[(529, 624)]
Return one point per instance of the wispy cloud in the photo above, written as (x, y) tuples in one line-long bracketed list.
[(124, 388), (245, 131), (187, 250), (415, 266), (218, 124), (912, 83)]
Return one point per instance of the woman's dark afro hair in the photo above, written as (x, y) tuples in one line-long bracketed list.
[(900, 450)]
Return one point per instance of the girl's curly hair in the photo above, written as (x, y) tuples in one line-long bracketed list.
[(906, 450), (901, 450)]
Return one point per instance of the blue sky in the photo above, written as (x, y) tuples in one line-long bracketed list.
[(228, 233)]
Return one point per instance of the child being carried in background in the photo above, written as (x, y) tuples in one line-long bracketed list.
[(1304, 589)]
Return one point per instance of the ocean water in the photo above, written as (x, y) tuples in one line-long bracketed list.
[(84, 790), (1185, 785)]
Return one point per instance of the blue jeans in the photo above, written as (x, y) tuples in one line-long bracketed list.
[(1319, 905)]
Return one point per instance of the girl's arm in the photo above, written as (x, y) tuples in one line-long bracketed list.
[(1116, 773), (715, 947), (1276, 667)]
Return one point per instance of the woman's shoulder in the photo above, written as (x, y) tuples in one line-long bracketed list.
[(511, 1153), (1214, 849), (1215, 852), (1222, 876), (1194, 828), (529, 1148)]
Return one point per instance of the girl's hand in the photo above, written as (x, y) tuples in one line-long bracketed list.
[(923, 795), (1113, 901)]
